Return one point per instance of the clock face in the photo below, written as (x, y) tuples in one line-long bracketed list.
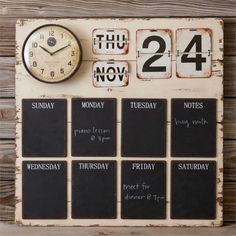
[(52, 53)]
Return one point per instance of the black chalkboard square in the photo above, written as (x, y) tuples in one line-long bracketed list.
[(193, 189), (93, 127), (44, 131), (44, 190), (193, 127), (143, 128), (94, 189), (143, 190)]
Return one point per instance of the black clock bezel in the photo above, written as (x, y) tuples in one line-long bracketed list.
[(77, 66)]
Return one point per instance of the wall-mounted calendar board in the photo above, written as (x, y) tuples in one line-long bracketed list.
[(119, 122)]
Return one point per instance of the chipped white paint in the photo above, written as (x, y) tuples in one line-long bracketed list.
[(193, 53), (110, 41), (110, 74), (154, 54), (81, 85)]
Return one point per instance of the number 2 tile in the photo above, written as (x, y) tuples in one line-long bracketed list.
[(193, 53), (154, 54)]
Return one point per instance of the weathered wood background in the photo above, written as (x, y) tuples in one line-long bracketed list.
[(10, 10)]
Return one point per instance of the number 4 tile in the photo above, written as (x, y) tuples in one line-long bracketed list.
[(193, 53), (154, 54)]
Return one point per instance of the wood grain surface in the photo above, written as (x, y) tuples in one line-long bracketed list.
[(114, 8), (10, 10), (13, 230)]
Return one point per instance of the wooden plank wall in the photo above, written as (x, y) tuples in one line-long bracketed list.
[(10, 10)]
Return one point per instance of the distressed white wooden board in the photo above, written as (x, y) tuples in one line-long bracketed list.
[(81, 85), (83, 29)]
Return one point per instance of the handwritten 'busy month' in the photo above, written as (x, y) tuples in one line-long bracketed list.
[(187, 123)]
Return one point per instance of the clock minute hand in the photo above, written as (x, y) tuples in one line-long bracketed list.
[(60, 49), (46, 50)]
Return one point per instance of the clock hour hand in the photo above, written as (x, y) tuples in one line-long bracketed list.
[(46, 50), (60, 49)]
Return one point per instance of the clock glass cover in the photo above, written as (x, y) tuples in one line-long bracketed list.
[(52, 53)]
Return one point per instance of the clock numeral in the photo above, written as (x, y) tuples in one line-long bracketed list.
[(62, 35), (41, 36), (52, 73), (73, 53), (31, 54), (34, 64), (34, 45), (62, 71), (69, 63), (51, 33), (42, 70)]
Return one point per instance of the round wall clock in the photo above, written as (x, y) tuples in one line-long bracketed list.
[(52, 53)]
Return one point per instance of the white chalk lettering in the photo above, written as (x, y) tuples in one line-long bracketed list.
[(93, 166), (43, 166), (193, 105), (193, 166), (94, 105), (143, 105), (143, 166), (43, 105), (182, 123)]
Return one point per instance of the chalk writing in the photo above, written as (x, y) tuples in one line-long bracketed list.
[(187, 123), (141, 191), (100, 135)]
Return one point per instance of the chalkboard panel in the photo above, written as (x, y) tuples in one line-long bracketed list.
[(193, 127), (44, 189), (94, 189), (143, 190), (143, 127), (93, 127), (44, 127), (193, 190)]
